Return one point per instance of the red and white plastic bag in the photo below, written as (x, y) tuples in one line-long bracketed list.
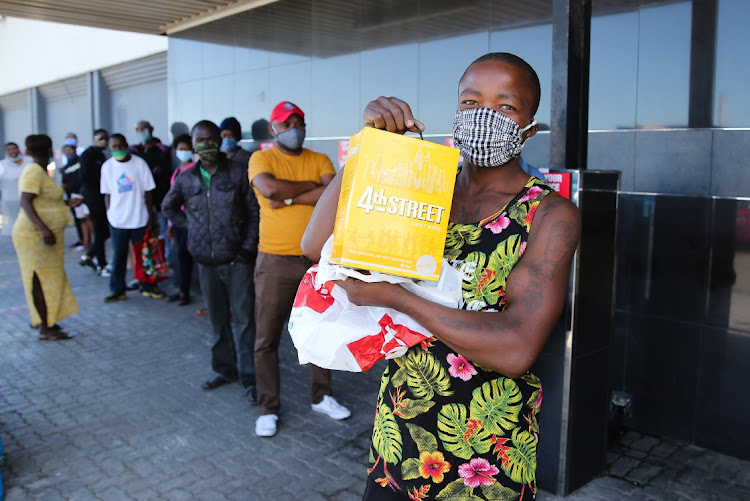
[(333, 333)]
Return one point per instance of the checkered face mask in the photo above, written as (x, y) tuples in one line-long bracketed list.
[(487, 138)]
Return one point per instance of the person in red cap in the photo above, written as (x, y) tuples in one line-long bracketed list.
[(288, 181)]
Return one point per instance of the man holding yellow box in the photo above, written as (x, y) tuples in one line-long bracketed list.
[(288, 181), (456, 416)]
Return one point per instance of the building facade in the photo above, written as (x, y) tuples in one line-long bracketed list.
[(667, 107), (662, 94)]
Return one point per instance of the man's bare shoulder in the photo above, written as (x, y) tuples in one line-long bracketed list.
[(557, 207)]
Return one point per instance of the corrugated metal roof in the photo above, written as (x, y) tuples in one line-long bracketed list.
[(155, 17), (64, 89), (15, 101), (141, 71)]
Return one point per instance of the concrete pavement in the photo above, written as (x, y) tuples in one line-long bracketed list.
[(118, 413)]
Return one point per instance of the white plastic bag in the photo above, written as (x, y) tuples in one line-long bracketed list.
[(333, 333)]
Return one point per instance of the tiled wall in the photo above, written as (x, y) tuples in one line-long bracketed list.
[(681, 343)]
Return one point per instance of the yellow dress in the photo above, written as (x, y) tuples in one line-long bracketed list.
[(34, 256)]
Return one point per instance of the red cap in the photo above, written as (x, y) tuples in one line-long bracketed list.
[(282, 111)]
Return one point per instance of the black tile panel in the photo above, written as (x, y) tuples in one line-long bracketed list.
[(550, 368), (663, 249), (595, 286), (630, 251), (589, 407), (614, 150), (730, 176), (723, 412), (661, 375), (729, 281), (618, 350), (673, 161)]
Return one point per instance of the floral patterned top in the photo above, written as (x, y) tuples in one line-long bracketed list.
[(444, 426)]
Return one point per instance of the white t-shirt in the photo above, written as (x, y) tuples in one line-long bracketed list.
[(9, 174), (126, 184)]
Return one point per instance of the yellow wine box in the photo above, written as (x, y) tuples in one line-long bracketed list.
[(394, 205)]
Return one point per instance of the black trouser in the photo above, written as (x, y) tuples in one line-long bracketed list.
[(101, 232), (77, 221), (185, 260)]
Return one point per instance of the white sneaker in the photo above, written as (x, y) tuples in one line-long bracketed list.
[(265, 426), (79, 248), (105, 272), (331, 408)]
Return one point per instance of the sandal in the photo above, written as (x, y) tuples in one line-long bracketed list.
[(57, 335), (201, 312), (184, 300)]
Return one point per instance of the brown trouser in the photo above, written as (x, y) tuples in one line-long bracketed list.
[(276, 281)]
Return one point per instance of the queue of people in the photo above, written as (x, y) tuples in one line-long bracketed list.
[(254, 223)]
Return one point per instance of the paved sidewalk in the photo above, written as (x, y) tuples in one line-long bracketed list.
[(118, 413)]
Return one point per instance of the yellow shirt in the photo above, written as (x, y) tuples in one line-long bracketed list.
[(281, 230)]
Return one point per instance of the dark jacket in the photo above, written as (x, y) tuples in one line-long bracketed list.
[(159, 160), (71, 177), (222, 221), (91, 162)]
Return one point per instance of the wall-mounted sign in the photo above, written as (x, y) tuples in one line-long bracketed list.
[(560, 182), (343, 149)]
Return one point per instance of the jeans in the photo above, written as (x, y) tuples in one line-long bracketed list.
[(225, 288), (122, 239), (277, 279), (163, 234)]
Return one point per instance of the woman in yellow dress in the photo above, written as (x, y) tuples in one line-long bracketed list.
[(38, 239)]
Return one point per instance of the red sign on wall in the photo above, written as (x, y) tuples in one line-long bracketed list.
[(451, 143), (343, 149), (560, 182), (267, 145)]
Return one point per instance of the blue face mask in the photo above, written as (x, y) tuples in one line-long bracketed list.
[(228, 144), (184, 155), (143, 135), (291, 138), (16, 159)]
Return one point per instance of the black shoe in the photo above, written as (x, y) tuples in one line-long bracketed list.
[(252, 395), (215, 383), (114, 297), (87, 261)]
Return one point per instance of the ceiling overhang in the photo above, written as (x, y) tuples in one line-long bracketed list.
[(309, 28), (162, 17)]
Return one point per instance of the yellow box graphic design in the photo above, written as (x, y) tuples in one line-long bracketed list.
[(394, 206)]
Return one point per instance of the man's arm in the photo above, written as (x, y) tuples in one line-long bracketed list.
[(280, 189), (172, 203), (323, 219), (507, 342), (309, 197), (250, 244)]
